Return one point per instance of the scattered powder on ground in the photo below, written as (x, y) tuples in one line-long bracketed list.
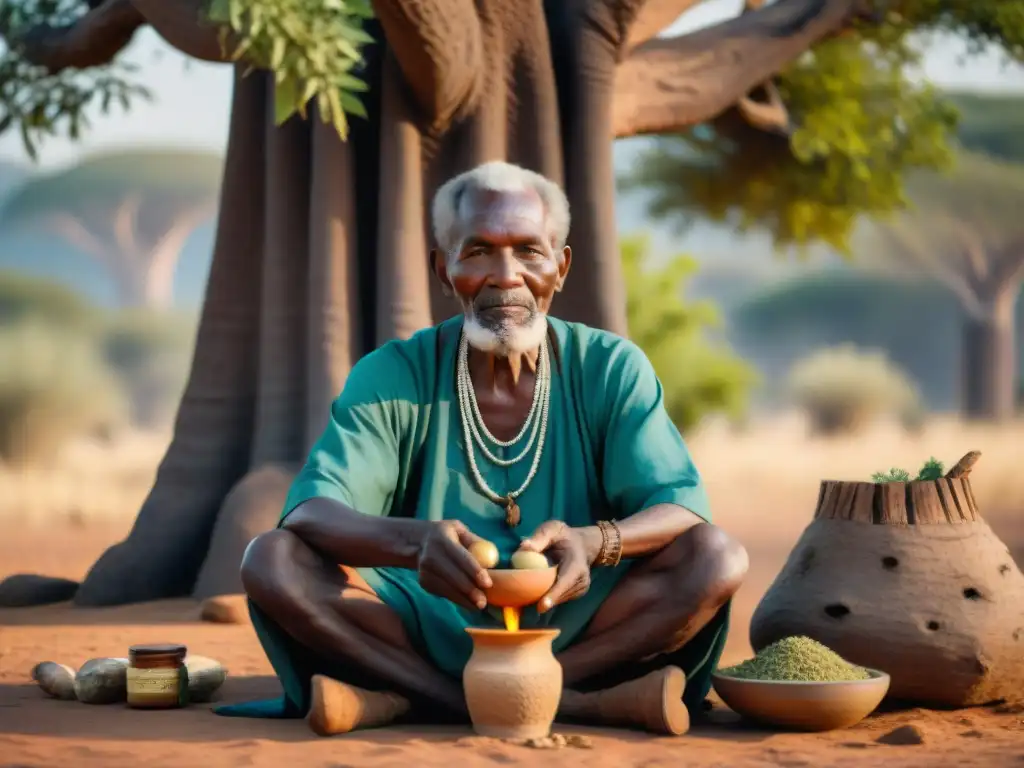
[(797, 659)]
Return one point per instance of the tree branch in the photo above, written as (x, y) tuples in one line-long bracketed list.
[(72, 230), (92, 40), (439, 47), (667, 85), (771, 115), (1008, 269), (923, 254), (162, 259), (184, 25), (124, 223), (98, 36), (634, 22)]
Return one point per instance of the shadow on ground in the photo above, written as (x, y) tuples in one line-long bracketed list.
[(27, 711)]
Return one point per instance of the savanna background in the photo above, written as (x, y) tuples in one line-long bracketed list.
[(802, 330)]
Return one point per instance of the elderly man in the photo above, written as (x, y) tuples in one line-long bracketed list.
[(508, 425)]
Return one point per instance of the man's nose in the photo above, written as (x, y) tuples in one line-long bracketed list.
[(507, 272)]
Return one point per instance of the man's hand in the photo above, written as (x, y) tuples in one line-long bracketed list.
[(447, 569), (568, 549)]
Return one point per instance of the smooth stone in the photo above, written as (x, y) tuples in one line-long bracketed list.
[(23, 590), (225, 609), (205, 676), (102, 681), (56, 680)]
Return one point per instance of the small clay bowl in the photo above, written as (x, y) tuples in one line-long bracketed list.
[(803, 706), (512, 588)]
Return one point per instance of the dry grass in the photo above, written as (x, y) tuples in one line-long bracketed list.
[(90, 483), (771, 468)]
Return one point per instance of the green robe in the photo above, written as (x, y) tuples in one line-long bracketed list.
[(394, 446)]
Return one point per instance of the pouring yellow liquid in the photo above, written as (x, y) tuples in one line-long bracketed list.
[(511, 617)]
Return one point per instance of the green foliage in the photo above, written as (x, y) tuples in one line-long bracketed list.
[(137, 360), (311, 46), (24, 299), (38, 104), (932, 470), (53, 387), (978, 203), (894, 475), (166, 181), (843, 388), (860, 125), (698, 377)]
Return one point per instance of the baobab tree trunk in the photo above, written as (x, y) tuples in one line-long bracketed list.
[(321, 245), (989, 358)]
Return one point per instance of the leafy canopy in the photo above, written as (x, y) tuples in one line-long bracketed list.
[(38, 104), (312, 47), (861, 124), (698, 376)]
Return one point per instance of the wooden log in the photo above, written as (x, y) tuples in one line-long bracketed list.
[(946, 501), (924, 500)]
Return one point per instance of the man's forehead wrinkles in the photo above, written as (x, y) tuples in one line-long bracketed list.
[(496, 204)]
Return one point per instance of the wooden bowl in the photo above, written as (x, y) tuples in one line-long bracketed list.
[(803, 706), (513, 588)]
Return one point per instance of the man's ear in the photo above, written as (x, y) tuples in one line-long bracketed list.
[(563, 267), (439, 263)]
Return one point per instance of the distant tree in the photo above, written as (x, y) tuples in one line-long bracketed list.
[(130, 211), (991, 124), (849, 122), (698, 376), (966, 229)]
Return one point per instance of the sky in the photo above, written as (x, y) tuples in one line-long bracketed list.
[(193, 98)]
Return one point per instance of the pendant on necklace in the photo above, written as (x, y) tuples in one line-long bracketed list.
[(511, 512)]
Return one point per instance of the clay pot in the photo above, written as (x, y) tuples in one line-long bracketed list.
[(513, 588), (906, 578), (512, 682)]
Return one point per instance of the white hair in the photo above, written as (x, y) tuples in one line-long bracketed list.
[(508, 341), (498, 176)]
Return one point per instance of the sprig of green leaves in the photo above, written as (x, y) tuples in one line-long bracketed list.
[(37, 103), (932, 470), (313, 48)]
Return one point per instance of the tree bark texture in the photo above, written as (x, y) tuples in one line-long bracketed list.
[(989, 360), (321, 247)]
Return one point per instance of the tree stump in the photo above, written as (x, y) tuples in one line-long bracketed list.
[(909, 579)]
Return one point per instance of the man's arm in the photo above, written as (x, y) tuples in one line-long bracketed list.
[(644, 533), (341, 500), (355, 539)]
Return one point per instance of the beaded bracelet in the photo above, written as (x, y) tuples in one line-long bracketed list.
[(611, 544)]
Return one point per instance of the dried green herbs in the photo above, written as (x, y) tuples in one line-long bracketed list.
[(798, 659)]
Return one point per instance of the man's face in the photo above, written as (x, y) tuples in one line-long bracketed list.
[(505, 271)]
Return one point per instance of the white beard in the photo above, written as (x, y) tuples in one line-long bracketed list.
[(510, 340)]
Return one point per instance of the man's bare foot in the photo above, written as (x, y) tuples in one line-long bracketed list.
[(339, 708), (653, 702)]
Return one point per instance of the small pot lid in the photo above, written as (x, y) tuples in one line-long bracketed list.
[(157, 649)]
